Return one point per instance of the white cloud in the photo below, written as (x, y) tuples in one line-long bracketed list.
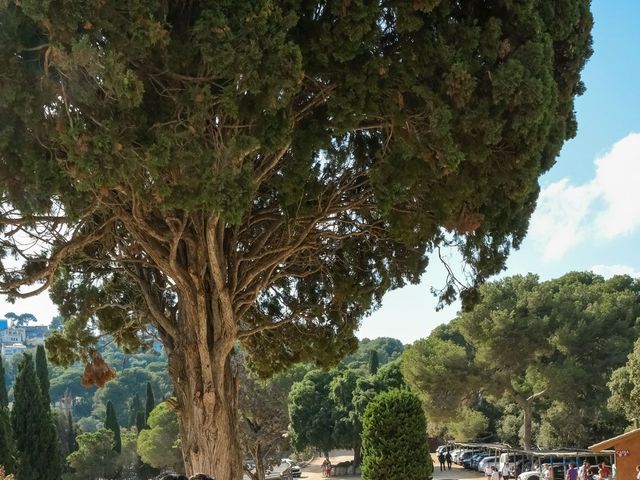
[(558, 222), (608, 271), (603, 208), (618, 182)]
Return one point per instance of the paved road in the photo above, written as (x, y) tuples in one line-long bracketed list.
[(313, 471)]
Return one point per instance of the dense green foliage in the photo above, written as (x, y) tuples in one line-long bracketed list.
[(384, 120), (374, 363), (7, 447), (394, 438), (326, 408), (34, 432), (42, 372), (134, 407), (4, 397), (547, 346), (158, 445), (625, 387), (150, 402), (95, 458), (111, 423), (388, 349)]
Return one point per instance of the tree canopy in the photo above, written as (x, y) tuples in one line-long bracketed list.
[(555, 342), (158, 445), (258, 170)]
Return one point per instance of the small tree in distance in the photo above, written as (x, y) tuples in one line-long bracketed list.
[(394, 438), (374, 363), (42, 372), (150, 403), (111, 423)]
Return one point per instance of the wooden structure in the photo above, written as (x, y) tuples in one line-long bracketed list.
[(627, 453)]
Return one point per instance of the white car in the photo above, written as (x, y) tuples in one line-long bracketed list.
[(487, 460)]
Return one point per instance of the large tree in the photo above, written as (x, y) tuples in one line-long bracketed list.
[(264, 170), (625, 387), (33, 429), (555, 342)]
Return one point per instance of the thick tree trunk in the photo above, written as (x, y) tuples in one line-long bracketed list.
[(206, 386)]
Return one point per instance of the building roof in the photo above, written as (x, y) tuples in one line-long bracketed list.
[(612, 442)]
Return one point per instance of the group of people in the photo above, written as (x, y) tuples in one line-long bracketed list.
[(586, 471), (492, 472), (445, 457)]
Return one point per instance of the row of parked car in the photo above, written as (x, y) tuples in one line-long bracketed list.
[(520, 465), (478, 459)]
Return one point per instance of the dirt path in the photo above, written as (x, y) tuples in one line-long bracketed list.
[(313, 471)]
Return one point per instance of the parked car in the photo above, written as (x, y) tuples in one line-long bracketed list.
[(487, 460), (466, 455), (558, 474), (296, 471), (472, 463)]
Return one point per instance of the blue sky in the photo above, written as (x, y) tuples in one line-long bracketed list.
[(588, 215)]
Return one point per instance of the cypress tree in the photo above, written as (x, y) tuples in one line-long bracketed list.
[(394, 438), (42, 373), (151, 403), (111, 423), (7, 448), (134, 408), (71, 439), (374, 363), (4, 398), (140, 423), (33, 429)]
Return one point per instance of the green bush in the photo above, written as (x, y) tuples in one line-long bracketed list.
[(394, 439)]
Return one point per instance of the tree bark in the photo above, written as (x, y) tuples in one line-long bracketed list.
[(357, 454), (206, 386)]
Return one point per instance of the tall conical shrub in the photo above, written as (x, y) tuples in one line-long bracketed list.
[(33, 429), (42, 372), (394, 438), (7, 446), (134, 408), (151, 403), (140, 422), (4, 398), (374, 362), (111, 423)]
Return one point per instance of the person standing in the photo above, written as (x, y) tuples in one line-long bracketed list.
[(494, 473), (572, 472), (441, 460), (605, 472), (449, 459), (584, 471), (506, 471), (488, 470)]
